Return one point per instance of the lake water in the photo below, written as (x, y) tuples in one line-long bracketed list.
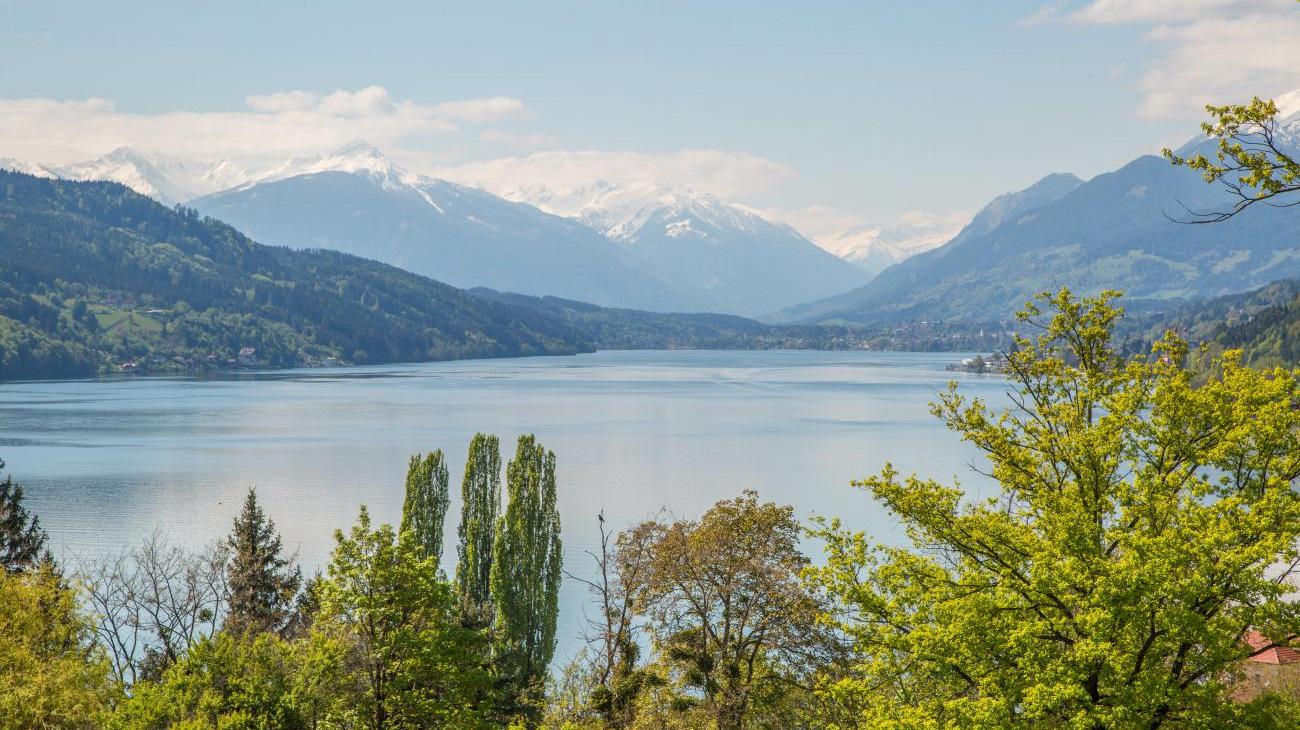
[(106, 462)]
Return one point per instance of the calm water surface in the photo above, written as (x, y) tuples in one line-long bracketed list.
[(635, 433)]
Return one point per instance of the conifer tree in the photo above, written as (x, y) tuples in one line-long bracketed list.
[(22, 540), (480, 505), (526, 571), (427, 500), (262, 581)]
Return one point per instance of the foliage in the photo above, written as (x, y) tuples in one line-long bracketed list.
[(262, 581), (480, 505), (92, 274), (728, 614), (1251, 161), (1141, 526), (416, 665), (427, 499), (22, 540), (226, 681), (526, 573), (51, 673)]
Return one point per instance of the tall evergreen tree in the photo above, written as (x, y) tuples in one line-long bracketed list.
[(427, 500), (22, 539), (480, 505), (263, 582), (526, 570)]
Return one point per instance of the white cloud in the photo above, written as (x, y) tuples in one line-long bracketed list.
[(516, 139), (731, 176), (271, 127), (1208, 51)]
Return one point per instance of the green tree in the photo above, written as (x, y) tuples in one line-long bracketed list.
[(1141, 527), (262, 582), (480, 505), (526, 573), (427, 499), (226, 681), (51, 673), (415, 665), (22, 540), (728, 613), (1251, 161)]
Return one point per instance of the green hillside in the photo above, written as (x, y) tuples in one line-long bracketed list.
[(94, 278)]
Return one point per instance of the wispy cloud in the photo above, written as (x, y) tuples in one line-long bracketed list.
[(1208, 51), (271, 126), (729, 175)]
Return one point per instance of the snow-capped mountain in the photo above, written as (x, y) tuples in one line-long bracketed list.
[(356, 200), (166, 179), (357, 157), (734, 256), (647, 246), (875, 248)]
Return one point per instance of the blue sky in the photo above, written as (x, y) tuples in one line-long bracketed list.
[(866, 109)]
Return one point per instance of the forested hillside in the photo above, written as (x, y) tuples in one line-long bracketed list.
[(610, 328), (1264, 324), (95, 277)]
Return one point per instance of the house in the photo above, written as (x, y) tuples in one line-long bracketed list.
[(1269, 668), (247, 356)]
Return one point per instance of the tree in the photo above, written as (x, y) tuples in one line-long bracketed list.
[(480, 504), (526, 573), (727, 609), (610, 670), (22, 540), (51, 673), (225, 681), (1141, 527), (262, 582), (427, 499), (1250, 163), (154, 601), (415, 665)]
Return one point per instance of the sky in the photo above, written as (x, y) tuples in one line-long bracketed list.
[(828, 114)]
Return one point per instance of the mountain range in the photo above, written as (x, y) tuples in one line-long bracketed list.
[(1129, 229), (665, 248), (647, 247), (735, 259), (97, 276)]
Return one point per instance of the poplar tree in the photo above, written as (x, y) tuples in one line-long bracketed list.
[(426, 502), (263, 582), (526, 570), (480, 505), (22, 540)]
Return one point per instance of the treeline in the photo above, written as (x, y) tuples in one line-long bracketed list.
[(93, 273), (629, 329), (231, 636), (1141, 546)]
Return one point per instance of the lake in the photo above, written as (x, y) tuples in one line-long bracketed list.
[(636, 434)]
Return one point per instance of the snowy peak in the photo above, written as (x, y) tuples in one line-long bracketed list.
[(166, 179), (875, 248), (630, 212), (355, 157)]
